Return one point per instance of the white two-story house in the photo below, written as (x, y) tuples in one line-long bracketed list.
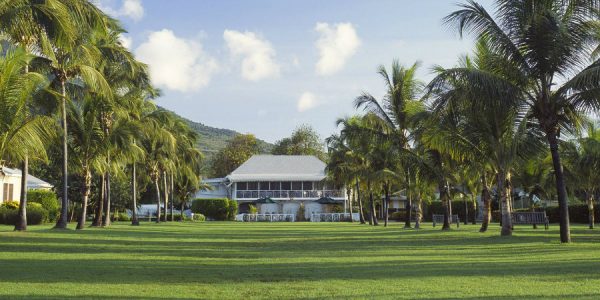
[(287, 181)]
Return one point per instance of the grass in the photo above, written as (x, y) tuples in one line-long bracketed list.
[(296, 260)]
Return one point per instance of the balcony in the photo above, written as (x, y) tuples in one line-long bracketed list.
[(285, 195)]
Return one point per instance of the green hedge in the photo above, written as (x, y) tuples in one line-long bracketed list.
[(199, 218), (219, 209), (47, 199), (36, 214), (578, 213)]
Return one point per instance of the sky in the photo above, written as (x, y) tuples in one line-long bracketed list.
[(266, 67)]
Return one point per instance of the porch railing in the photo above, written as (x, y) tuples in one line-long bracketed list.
[(289, 194), (331, 217), (266, 217)]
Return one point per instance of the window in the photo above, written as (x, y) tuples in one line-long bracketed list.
[(307, 185), (275, 186), (319, 185), (252, 186), (286, 186), (8, 192), (242, 186), (296, 185), (264, 186)]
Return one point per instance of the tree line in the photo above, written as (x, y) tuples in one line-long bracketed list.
[(74, 99), (514, 113)]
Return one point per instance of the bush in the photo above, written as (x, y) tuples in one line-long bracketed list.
[(232, 209), (122, 217), (11, 204), (199, 217), (47, 199), (214, 209), (252, 209), (36, 214), (177, 217), (398, 216)]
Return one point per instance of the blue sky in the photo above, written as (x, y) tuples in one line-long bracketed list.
[(265, 67)]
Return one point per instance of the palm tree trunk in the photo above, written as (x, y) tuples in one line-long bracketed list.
[(561, 190), (386, 206), (156, 186), (419, 214), (86, 194), (444, 197), (100, 205), (106, 221), (64, 209), (474, 201), (172, 197), (408, 206), (591, 209), (466, 221), (361, 212), (21, 224), (486, 198), (134, 217), (166, 193), (181, 210), (504, 204), (350, 202)]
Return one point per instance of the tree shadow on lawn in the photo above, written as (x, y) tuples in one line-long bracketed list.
[(147, 271)]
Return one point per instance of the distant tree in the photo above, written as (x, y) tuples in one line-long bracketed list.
[(237, 151), (304, 141)]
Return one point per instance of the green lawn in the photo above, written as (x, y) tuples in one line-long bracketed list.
[(296, 260)]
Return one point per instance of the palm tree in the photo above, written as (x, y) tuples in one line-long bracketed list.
[(402, 90), (22, 133), (582, 161), (547, 44), (487, 132)]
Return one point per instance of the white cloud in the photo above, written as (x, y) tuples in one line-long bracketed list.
[(258, 56), (176, 63), (125, 41), (336, 44), (130, 8), (306, 101)]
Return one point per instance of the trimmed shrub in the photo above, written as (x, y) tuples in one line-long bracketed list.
[(36, 214), (232, 209), (213, 209), (177, 217), (198, 218), (11, 204), (252, 209), (122, 217), (47, 199)]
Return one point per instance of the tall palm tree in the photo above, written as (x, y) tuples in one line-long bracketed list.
[(22, 133), (403, 89), (548, 45)]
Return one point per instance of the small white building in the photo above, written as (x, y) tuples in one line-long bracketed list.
[(286, 180), (10, 184)]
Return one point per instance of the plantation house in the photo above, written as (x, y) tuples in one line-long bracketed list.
[(280, 184), (10, 184)]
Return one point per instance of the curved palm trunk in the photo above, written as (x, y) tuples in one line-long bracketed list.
[(86, 194), (504, 203), (156, 186), (590, 203), (100, 205), (361, 212), (419, 213), (474, 217), (21, 224), (486, 198), (561, 190), (61, 223), (106, 221), (134, 217)]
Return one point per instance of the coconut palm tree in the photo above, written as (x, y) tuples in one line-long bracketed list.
[(582, 162), (548, 45), (403, 90), (23, 134)]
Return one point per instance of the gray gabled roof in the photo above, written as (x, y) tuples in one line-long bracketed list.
[(32, 181), (280, 167)]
